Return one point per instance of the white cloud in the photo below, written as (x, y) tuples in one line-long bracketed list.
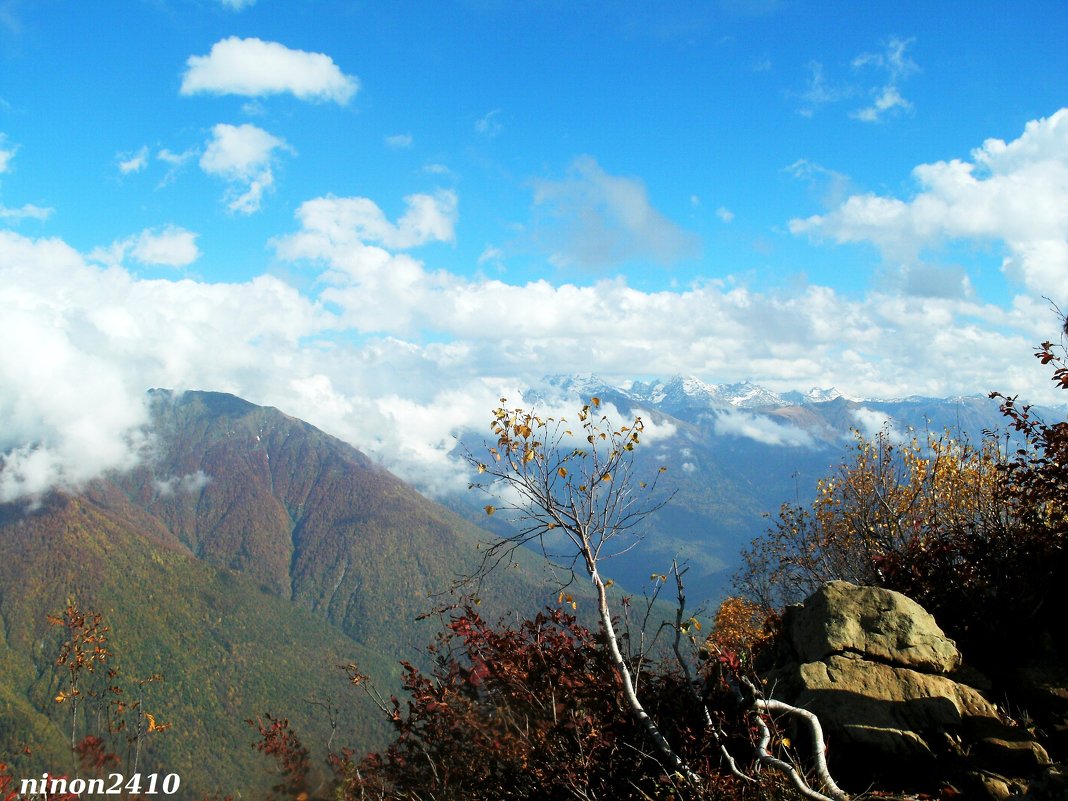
[(242, 155), (92, 341), (870, 422), (175, 159), (725, 214), (594, 219), (7, 153), (491, 255), (253, 67), (175, 162), (888, 99), (761, 429), (238, 5), (1015, 193), (399, 141), (394, 356), (188, 484), (27, 211), (170, 246), (240, 151), (133, 162), (328, 223), (819, 91), (830, 186), (896, 65), (891, 65), (67, 413), (97, 338), (892, 59)]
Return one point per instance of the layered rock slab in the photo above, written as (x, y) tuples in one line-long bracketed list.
[(878, 624), (882, 676)]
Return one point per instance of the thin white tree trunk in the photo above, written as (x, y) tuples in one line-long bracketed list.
[(663, 746)]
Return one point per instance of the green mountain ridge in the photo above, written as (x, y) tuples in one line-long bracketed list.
[(245, 560)]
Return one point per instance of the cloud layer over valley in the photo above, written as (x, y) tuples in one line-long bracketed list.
[(396, 356)]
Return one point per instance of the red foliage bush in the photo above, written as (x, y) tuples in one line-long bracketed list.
[(532, 712)]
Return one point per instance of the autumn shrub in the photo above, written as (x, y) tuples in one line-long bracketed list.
[(974, 532), (533, 711), (888, 499), (740, 625), (278, 741)]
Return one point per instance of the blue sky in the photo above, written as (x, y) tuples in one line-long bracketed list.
[(381, 216)]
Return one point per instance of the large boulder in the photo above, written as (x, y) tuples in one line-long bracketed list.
[(877, 624), (885, 682)]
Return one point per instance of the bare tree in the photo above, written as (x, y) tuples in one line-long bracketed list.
[(579, 486), (575, 491)]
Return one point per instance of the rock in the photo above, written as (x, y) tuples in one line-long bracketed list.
[(994, 787), (1052, 785), (890, 709), (881, 625), (881, 675)]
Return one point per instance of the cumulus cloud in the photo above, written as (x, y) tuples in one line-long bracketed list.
[(67, 413), (376, 290), (242, 155), (170, 246), (253, 67), (237, 5), (331, 222), (486, 327), (396, 358), (593, 219), (1015, 193)]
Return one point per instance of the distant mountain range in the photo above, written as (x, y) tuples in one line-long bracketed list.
[(736, 452)]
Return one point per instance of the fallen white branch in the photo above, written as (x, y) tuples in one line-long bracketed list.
[(764, 757)]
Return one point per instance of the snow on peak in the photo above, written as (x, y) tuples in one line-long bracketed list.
[(818, 395)]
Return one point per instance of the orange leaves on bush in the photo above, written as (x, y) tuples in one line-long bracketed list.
[(740, 626), (889, 498)]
